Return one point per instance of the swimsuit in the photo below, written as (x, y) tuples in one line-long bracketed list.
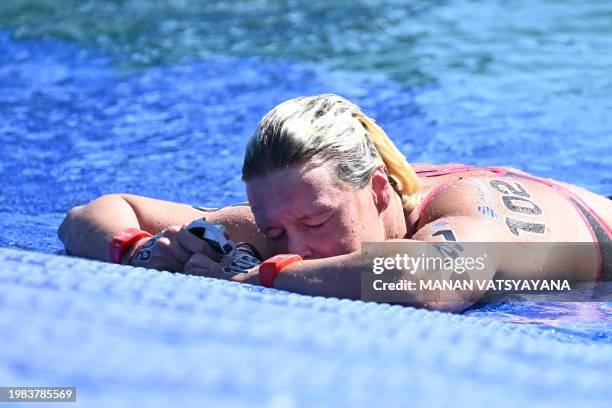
[(600, 231)]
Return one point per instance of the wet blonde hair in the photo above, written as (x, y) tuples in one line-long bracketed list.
[(333, 131)]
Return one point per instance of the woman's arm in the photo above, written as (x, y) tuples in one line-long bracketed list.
[(341, 276), (88, 229)]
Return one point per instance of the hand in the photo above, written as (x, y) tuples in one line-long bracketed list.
[(169, 250), (202, 265)]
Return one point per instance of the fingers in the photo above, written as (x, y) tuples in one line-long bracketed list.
[(163, 251), (170, 240), (175, 249), (196, 245), (200, 264), (199, 261)]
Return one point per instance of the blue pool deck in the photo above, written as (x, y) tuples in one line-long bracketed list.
[(130, 337)]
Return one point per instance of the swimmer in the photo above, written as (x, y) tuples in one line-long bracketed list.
[(321, 178)]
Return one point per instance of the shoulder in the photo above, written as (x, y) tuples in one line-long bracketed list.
[(463, 210), (461, 197)]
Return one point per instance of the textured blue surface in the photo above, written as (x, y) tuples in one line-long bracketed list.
[(132, 337)]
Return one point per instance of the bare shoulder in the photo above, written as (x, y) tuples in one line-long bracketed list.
[(466, 196), (463, 210)]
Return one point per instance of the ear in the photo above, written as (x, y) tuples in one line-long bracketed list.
[(381, 189)]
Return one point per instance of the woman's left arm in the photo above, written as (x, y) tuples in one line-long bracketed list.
[(87, 229)]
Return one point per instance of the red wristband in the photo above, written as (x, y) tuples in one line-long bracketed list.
[(122, 241), (133, 250), (271, 267)]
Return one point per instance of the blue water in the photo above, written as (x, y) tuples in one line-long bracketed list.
[(79, 119)]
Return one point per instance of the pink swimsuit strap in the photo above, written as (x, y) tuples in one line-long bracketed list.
[(458, 169)]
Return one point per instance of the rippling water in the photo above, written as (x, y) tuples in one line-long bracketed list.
[(158, 98)]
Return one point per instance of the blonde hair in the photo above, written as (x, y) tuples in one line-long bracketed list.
[(331, 130)]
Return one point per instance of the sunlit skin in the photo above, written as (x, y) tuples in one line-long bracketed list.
[(304, 210)]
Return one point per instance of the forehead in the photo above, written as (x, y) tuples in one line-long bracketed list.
[(293, 193)]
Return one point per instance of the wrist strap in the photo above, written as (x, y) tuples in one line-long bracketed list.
[(122, 241), (271, 267), (135, 248), (250, 248)]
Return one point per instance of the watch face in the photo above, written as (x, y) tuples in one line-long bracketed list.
[(241, 263), (197, 231), (227, 248), (213, 234)]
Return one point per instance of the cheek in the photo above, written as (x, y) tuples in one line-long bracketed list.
[(367, 218), (350, 240), (360, 223), (343, 236)]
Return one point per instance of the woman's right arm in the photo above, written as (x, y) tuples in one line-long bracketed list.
[(88, 229)]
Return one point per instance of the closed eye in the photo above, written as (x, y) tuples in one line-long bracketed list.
[(275, 237), (315, 226)]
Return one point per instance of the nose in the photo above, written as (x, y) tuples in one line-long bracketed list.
[(297, 245)]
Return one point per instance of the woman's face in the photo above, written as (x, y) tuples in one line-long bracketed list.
[(301, 210)]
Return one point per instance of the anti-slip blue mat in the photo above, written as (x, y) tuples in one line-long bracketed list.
[(130, 337)]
